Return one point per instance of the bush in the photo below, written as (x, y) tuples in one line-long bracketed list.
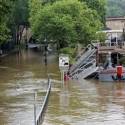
[(69, 51)]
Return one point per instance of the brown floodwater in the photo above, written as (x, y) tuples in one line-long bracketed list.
[(20, 75), (85, 102)]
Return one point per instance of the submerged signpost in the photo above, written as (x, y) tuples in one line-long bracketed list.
[(63, 65)]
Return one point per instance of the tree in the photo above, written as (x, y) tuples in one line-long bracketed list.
[(101, 37), (20, 12), (12, 14), (65, 22), (5, 10), (19, 17), (99, 6), (34, 6)]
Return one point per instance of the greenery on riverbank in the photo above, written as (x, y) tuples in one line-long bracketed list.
[(66, 22), (71, 51), (63, 21), (13, 13)]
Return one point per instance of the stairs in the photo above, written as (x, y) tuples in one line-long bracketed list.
[(85, 65), (86, 72)]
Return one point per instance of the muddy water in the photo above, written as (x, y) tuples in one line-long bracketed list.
[(74, 103), (20, 75), (87, 103)]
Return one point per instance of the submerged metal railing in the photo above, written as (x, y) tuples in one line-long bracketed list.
[(83, 62), (86, 70), (83, 58), (40, 116)]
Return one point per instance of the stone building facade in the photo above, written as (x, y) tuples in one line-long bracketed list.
[(115, 23)]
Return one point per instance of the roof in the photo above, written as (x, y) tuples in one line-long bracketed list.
[(111, 31), (114, 18)]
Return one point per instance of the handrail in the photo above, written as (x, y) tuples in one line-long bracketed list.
[(86, 71), (82, 68), (39, 118), (83, 51), (82, 57), (85, 56), (92, 62)]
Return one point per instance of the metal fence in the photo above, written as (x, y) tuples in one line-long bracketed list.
[(40, 116)]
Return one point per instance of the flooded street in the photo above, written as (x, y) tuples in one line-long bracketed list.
[(87, 102), (20, 75)]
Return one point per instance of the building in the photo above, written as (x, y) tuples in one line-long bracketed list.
[(115, 23)]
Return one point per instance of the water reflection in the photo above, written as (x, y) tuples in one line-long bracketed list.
[(74, 103), (111, 93), (64, 97), (87, 103), (20, 74), (119, 90)]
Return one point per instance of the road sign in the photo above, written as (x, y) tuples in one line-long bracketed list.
[(64, 62)]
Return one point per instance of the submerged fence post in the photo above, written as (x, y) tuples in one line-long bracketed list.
[(40, 116), (34, 108)]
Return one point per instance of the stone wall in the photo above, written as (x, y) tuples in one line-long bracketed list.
[(115, 23)]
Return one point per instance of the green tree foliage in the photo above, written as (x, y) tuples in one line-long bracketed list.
[(20, 12), (4, 32), (12, 14), (65, 22), (19, 17), (99, 6), (5, 6), (34, 8), (115, 8), (101, 37), (5, 9)]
